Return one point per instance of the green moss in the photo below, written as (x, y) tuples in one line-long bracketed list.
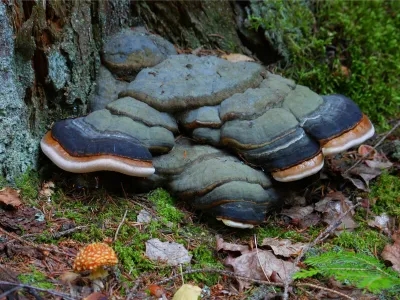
[(268, 231), (36, 278), (204, 256), (131, 256), (165, 206), (28, 183), (352, 50), (386, 192), (286, 25), (362, 240)]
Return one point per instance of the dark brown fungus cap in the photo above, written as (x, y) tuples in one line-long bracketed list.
[(75, 146)]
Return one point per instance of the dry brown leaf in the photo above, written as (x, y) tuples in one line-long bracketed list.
[(96, 296), (283, 247), (364, 150), (361, 175), (9, 196), (302, 217), (253, 263), (333, 206), (221, 245), (391, 253)]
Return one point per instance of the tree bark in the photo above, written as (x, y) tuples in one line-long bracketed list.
[(50, 54)]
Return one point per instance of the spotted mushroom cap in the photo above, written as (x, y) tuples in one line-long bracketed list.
[(94, 256)]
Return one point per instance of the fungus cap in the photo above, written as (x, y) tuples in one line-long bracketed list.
[(76, 147), (94, 257), (361, 132)]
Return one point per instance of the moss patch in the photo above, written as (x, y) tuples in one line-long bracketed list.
[(352, 50), (36, 278), (28, 183), (386, 193)]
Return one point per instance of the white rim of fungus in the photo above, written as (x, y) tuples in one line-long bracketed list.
[(301, 175), (234, 224), (349, 144), (99, 164)]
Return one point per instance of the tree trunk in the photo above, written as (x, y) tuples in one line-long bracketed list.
[(49, 57)]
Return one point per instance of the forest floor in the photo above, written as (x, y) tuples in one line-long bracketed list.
[(350, 211)]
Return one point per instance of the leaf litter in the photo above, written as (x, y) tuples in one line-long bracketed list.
[(274, 260)]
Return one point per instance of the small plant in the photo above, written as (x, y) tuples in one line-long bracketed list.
[(365, 272)]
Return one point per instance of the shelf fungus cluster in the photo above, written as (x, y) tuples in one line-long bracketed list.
[(243, 122)]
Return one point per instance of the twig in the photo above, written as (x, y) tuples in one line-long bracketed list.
[(324, 289), (129, 296), (231, 274), (29, 287), (120, 225), (324, 234), (373, 148), (59, 234), (8, 292)]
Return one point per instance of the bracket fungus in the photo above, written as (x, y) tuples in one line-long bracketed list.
[(74, 146), (93, 259), (255, 123)]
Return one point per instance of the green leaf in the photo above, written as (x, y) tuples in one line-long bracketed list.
[(363, 271)]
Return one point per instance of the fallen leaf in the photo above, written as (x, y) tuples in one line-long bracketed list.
[(381, 222), (221, 245), (170, 252), (144, 217), (391, 253), (96, 296), (365, 173), (257, 264), (375, 162), (187, 292), (333, 206), (382, 165), (9, 196), (302, 217), (364, 150), (283, 247)]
